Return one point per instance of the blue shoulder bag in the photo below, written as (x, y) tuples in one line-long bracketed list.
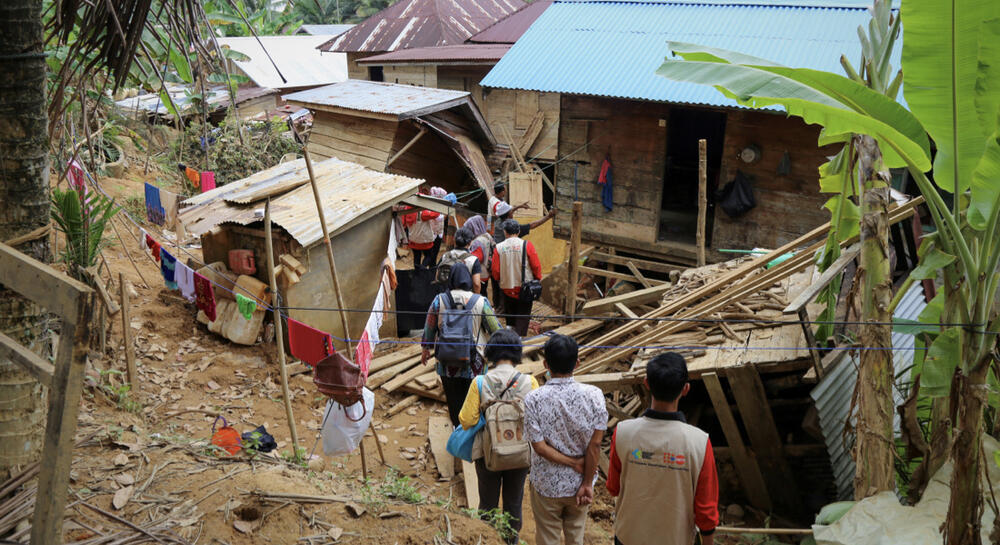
[(461, 441)]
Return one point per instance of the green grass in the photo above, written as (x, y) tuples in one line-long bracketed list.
[(498, 519)]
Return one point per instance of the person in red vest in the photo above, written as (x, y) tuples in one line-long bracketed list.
[(662, 470), (511, 269)]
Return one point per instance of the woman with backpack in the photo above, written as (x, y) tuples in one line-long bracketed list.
[(458, 324), (498, 397), (481, 246), (460, 254)]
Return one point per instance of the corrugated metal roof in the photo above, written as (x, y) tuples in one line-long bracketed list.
[(350, 192), (461, 53), (614, 48), (218, 98), (324, 30), (296, 57), (834, 392), (509, 29), (380, 97), (422, 23)]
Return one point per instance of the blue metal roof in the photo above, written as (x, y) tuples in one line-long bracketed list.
[(614, 48)]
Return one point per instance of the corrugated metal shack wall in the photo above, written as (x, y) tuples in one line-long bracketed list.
[(834, 392)]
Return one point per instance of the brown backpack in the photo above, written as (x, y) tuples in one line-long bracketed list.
[(339, 379)]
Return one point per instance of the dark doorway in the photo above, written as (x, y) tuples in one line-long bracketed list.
[(375, 73), (679, 208)]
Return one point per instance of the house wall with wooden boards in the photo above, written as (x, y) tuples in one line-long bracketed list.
[(788, 206), (634, 134), (361, 140), (355, 70), (411, 74), (514, 109)]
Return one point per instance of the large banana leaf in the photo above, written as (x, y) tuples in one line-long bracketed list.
[(940, 60), (759, 86)]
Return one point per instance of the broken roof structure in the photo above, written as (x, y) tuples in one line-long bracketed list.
[(381, 125), (421, 23), (287, 62), (249, 101)]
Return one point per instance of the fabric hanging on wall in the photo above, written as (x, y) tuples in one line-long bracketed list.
[(168, 264), (607, 187), (308, 344), (246, 306), (184, 276), (154, 209), (204, 296), (207, 181)]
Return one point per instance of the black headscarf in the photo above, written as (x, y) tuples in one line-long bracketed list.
[(460, 278)]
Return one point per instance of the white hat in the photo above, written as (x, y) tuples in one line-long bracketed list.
[(502, 208)]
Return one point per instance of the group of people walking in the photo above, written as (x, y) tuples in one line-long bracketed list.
[(661, 469)]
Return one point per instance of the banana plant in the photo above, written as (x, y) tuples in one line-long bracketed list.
[(951, 83), (82, 218)]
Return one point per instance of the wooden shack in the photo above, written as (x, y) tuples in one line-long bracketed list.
[(601, 57), (357, 203), (434, 134)]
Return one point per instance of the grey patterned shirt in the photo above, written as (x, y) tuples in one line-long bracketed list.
[(565, 414)]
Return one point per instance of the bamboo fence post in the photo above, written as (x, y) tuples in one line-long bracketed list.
[(278, 334), (127, 335), (573, 274), (702, 199)]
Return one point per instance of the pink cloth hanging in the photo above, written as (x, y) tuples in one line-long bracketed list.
[(207, 181)]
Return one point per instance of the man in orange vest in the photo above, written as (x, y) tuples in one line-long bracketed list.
[(515, 262), (659, 455)]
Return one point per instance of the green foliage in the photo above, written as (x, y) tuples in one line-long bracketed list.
[(228, 19), (318, 12), (262, 146), (83, 224), (299, 457), (496, 518), (121, 394), (399, 487)]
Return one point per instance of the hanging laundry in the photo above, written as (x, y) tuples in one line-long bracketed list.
[(193, 175), (154, 209), (607, 190), (363, 354), (168, 264), (184, 276), (204, 296), (168, 201), (78, 180), (207, 181), (246, 306), (144, 239), (308, 344), (154, 247)]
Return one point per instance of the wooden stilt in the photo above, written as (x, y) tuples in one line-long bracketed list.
[(278, 335), (702, 199), (130, 371), (574, 259)]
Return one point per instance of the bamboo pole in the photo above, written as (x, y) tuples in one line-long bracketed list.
[(278, 334), (127, 335), (329, 255), (573, 272), (702, 199)]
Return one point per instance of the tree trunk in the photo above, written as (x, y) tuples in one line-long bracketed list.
[(965, 508), (873, 448), (24, 208)]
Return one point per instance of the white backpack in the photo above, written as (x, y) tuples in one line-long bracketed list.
[(505, 442)]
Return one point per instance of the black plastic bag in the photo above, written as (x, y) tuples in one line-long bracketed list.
[(736, 198), (259, 440)]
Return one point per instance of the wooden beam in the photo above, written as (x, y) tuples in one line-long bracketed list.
[(416, 137), (64, 399), (758, 420), (616, 275), (426, 202), (627, 312), (807, 331), (702, 200), (278, 335), (834, 270), (49, 288), (745, 461), (638, 297), (643, 264), (130, 371), (574, 259), (471, 483), (14, 351), (638, 275)]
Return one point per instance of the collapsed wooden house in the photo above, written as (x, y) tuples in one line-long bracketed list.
[(433, 134), (357, 203), (602, 59)]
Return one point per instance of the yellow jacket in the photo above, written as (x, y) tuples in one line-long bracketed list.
[(469, 415)]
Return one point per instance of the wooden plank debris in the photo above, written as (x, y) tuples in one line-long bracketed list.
[(471, 482), (438, 430)]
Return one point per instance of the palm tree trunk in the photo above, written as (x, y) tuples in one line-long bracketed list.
[(24, 208), (873, 452)]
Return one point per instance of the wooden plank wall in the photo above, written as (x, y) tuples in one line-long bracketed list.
[(411, 74), (430, 159), (629, 131), (362, 140), (359, 253), (515, 108), (355, 70), (463, 78), (787, 206)]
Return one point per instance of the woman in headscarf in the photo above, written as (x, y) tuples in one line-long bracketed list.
[(481, 246), (459, 360)]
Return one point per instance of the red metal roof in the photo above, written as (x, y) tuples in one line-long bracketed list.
[(462, 53), (421, 23), (510, 28)]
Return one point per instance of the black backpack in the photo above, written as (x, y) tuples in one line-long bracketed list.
[(736, 198)]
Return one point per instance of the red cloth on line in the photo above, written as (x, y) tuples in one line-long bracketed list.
[(204, 296), (154, 247), (363, 354), (207, 181), (308, 344)]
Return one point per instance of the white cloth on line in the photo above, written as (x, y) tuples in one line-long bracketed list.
[(184, 277)]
